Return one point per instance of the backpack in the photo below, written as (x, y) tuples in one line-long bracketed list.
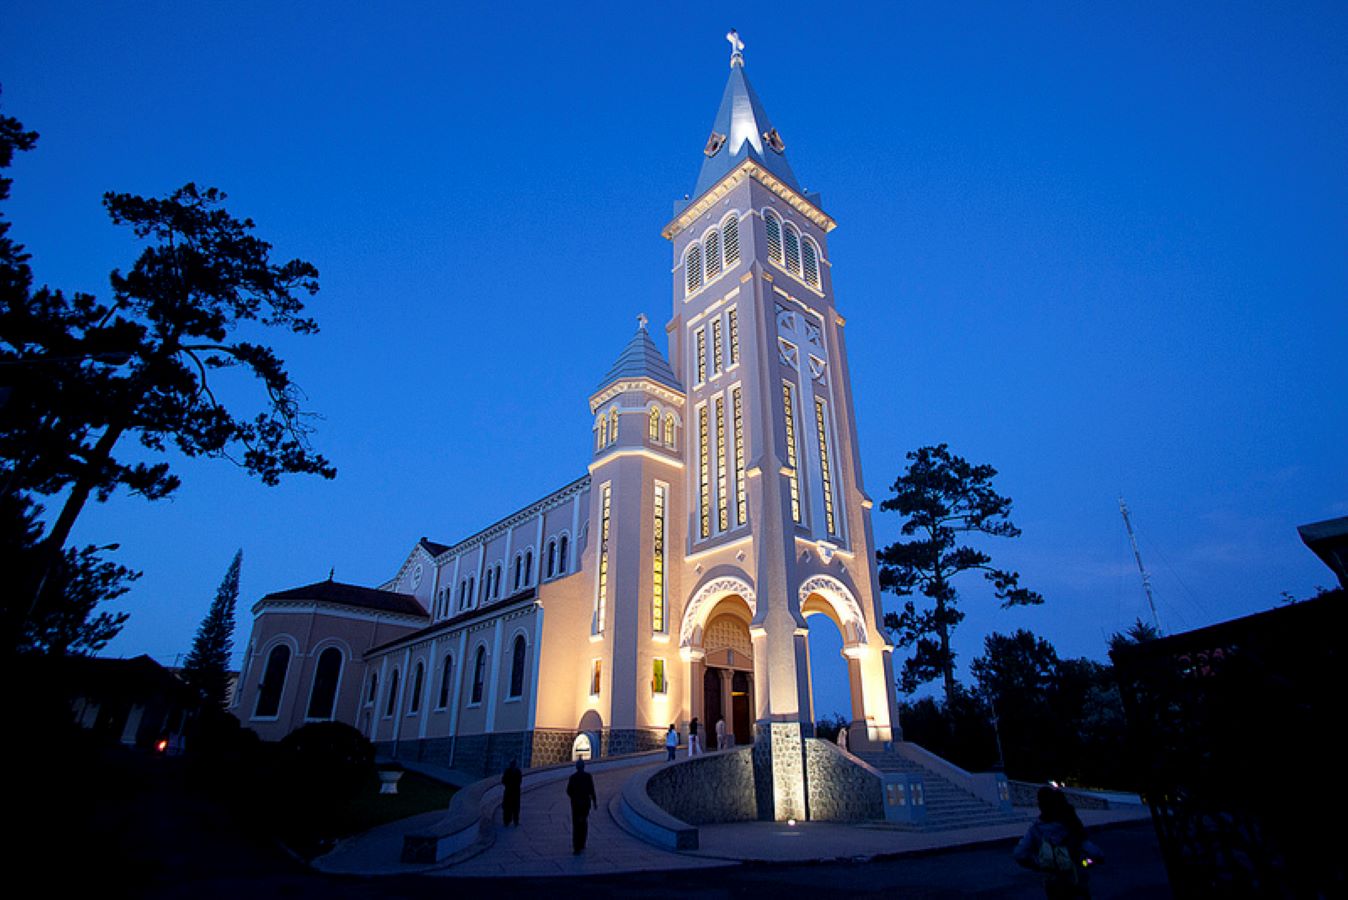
[(1057, 860)]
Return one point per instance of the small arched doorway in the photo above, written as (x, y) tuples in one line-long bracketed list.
[(582, 747), (727, 681)]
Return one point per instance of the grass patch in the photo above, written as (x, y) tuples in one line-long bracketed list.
[(417, 794)]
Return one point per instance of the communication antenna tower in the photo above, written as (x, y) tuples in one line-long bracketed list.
[(1137, 555)]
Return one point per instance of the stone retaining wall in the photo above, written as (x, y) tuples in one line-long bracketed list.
[(1026, 794), (707, 790), (839, 789)]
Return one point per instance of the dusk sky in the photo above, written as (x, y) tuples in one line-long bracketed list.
[(1102, 249)]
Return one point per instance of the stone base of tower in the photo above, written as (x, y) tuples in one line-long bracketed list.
[(779, 771)]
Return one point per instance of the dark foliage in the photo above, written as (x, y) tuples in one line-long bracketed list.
[(941, 497), (206, 668), (828, 727)]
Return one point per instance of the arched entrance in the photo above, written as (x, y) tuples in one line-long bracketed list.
[(714, 640), (827, 597)]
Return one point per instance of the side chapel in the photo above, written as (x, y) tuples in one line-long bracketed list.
[(723, 505)]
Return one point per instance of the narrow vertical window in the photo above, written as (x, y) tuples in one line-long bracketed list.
[(773, 226), (392, 694), (658, 562), (693, 265), (717, 353), (741, 502), (471, 584), (552, 558), (789, 404), (613, 425), (669, 429), (810, 260), (700, 345), (730, 240), (732, 317), (418, 680), (712, 248), (600, 433), (528, 567), (653, 426), (324, 692), (519, 562), (561, 556), (722, 501), (792, 250), (496, 582), (596, 676), (446, 679), (479, 674), (704, 473), (659, 683), (374, 688), (517, 660), (601, 595)]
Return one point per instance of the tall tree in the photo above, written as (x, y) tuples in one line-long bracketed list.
[(206, 668), (152, 364), (1138, 633), (942, 497)]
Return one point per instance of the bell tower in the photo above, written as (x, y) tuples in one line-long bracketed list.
[(778, 523)]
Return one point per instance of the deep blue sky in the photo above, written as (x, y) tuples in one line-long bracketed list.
[(1101, 249)]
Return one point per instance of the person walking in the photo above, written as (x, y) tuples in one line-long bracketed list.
[(671, 742), (694, 742), (720, 734), (580, 788), (1056, 845), (510, 801)]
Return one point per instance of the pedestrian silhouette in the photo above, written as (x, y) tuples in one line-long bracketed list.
[(1056, 845), (580, 788), (694, 742), (671, 742), (510, 802)]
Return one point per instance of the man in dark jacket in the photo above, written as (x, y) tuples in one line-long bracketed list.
[(510, 801), (580, 788)]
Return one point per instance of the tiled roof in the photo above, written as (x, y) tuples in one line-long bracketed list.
[(353, 595), (642, 359)]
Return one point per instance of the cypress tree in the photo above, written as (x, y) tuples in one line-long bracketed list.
[(206, 668)]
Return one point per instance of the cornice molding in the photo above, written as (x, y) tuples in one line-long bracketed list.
[(654, 388), (745, 170)]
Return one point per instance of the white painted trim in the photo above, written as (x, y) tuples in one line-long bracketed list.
[(456, 699), (533, 677), (636, 451), (494, 687), (317, 656)]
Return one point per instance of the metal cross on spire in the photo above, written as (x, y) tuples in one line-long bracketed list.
[(641, 321), (736, 48)]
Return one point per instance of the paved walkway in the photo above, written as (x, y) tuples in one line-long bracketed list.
[(541, 845)]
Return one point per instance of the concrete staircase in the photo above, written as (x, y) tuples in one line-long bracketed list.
[(949, 806)]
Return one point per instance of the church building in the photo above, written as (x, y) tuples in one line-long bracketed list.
[(722, 506)]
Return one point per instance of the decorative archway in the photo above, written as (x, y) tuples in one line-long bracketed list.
[(840, 600), (699, 609)]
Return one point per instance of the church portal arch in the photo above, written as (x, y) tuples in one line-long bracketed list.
[(699, 609), (826, 594)]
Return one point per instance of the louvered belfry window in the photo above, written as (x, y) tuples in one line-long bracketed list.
[(792, 250), (693, 263), (811, 263), (713, 251), (730, 240), (773, 226)]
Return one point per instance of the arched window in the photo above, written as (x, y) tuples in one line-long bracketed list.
[(374, 688), (519, 561), (600, 433), (773, 225), (561, 556), (517, 667), (693, 269), (713, 250), (496, 582), (471, 579), (613, 425), (730, 240), (528, 566), (324, 692), (552, 558), (273, 680), (446, 679), (479, 670), (486, 586), (792, 250), (418, 680), (392, 694), (653, 426), (810, 259), (669, 429)]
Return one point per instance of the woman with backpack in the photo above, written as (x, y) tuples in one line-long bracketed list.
[(1056, 845)]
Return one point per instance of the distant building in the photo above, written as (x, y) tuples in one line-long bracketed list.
[(134, 701), (1329, 541), (722, 506)]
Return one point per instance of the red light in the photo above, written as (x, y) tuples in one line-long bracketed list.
[(161, 746)]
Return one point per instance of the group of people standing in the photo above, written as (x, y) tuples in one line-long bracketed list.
[(724, 738), (579, 789)]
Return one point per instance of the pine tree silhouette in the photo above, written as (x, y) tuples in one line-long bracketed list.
[(206, 668)]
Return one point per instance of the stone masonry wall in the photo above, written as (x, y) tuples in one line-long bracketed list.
[(840, 790), (707, 790)]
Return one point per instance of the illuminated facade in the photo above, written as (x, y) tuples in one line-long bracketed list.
[(722, 506)]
